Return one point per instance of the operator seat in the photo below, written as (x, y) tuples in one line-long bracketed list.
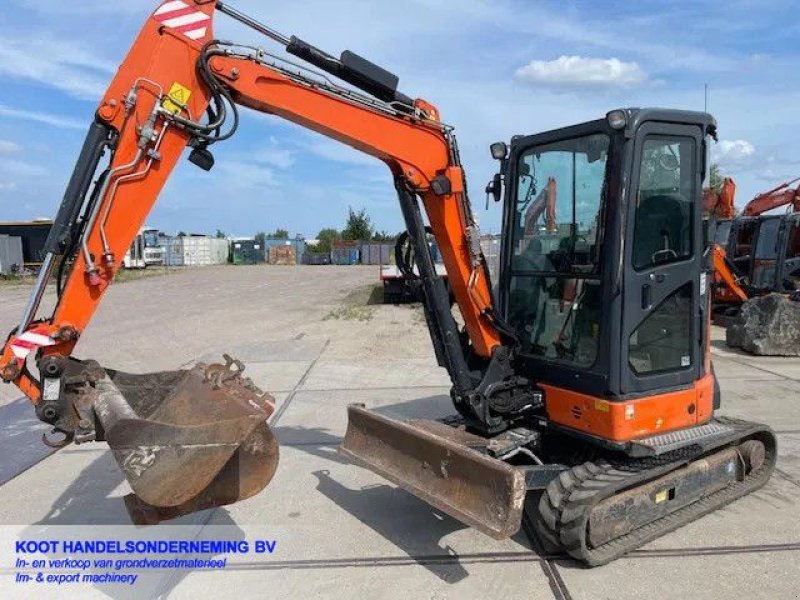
[(659, 218)]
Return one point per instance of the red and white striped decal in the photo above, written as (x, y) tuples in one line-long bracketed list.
[(30, 341), (185, 19)]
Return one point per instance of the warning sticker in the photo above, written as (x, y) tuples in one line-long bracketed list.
[(177, 98)]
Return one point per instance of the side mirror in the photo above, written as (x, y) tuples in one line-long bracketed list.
[(495, 189)]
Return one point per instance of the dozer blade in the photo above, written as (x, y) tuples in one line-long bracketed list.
[(187, 440), (440, 465)]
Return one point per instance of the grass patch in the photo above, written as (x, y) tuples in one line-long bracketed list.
[(13, 281), (126, 275), (357, 304), (122, 276), (367, 295), (350, 313)]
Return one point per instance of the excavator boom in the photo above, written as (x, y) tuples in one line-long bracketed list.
[(211, 420), (585, 375)]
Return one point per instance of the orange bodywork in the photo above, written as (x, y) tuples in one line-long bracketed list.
[(720, 204), (416, 148), (545, 203), (783, 195), (732, 291), (628, 420)]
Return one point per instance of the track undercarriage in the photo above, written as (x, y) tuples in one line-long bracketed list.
[(595, 505)]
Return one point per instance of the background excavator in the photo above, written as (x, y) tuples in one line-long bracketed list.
[(587, 380), (754, 253)]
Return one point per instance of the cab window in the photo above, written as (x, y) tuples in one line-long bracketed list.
[(665, 202)]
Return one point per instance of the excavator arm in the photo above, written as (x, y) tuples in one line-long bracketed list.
[(782, 195), (545, 203), (180, 87), (725, 272)]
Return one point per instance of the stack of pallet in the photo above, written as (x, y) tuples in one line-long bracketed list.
[(283, 255)]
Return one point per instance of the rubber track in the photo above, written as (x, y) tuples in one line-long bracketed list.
[(565, 506)]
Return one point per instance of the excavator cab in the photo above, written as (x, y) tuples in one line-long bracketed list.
[(764, 249), (776, 264), (608, 318), (609, 306)]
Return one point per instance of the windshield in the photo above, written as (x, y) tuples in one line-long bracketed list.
[(723, 233), (767, 246), (560, 186), (151, 239), (554, 297)]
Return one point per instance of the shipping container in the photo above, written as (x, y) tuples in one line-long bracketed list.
[(195, 251), (220, 251), (345, 256), (11, 256), (33, 235), (345, 252), (173, 251), (316, 259), (247, 252), (377, 254)]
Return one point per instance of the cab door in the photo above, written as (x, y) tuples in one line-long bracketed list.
[(788, 279), (664, 278)]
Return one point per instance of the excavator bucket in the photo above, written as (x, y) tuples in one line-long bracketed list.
[(186, 440), (442, 465)]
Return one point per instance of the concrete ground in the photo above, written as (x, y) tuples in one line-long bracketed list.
[(309, 336)]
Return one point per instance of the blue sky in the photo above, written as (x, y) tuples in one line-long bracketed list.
[(495, 68)]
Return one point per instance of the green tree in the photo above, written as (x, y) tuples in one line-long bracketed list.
[(261, 238), (325, 239), (181, 234), (279, 234), (221, 234), (358, 227), (715, 178), (383, 236)]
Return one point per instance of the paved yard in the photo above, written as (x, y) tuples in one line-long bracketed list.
[(308, 336)]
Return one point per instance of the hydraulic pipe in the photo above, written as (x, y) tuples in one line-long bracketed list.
[(252, 23)]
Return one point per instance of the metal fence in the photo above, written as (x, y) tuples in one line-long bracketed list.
[(377, 254)]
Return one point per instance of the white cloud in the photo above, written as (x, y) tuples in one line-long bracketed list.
[(579, 71), (20, 168), (247, 175), (7, 148), (46, 118), (275, 155), (336, 151), (56, 63), (89, 7), (733, 153), (7, 186)]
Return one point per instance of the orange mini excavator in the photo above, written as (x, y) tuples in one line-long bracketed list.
[(584, 377), (754, 253)]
